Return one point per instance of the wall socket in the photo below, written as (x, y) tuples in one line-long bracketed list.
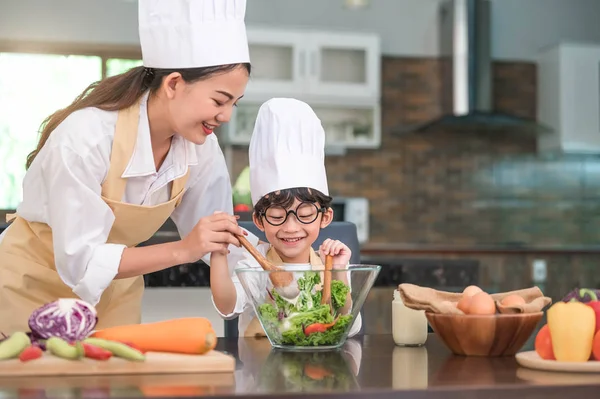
[(538, 271)]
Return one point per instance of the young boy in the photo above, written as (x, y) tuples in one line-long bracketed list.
[(288, 185)]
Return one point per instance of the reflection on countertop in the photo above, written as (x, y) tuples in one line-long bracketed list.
[(370, 366)]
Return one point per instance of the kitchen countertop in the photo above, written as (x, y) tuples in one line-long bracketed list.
[(367, 367)]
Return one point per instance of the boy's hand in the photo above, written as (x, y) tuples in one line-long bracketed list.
[(218, 255), (340, 252)]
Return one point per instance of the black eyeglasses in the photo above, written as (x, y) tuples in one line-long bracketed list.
[(306, 213)]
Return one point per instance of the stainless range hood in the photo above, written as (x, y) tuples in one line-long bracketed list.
[(465, 44)]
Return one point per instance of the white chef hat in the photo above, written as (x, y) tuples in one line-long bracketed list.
[(192, 33), (287, 149)]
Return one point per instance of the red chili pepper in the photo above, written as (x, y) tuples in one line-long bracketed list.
[(319, 327), (95, 352), (30, 353)]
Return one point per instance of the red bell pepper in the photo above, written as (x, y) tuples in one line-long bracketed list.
[(95, 352), (30, 353), (318, 327), (316, 372), (596, 306)]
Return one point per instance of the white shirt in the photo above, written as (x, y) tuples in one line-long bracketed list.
[(260, 284), (62, 188)]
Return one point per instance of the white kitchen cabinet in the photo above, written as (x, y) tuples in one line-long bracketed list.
[(344, 65), (337, 74), (314, 65), (278, 63), (569, 98), (344, 126)]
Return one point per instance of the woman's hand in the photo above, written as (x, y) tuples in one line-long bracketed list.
[(212, 234), (340, 252)]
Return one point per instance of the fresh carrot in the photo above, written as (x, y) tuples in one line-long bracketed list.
[(173, 391), (191, 335)]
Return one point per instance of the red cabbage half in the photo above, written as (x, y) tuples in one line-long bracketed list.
[(68, 318), (584, 295)]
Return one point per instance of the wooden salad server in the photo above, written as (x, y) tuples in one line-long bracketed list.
[(281, 279)]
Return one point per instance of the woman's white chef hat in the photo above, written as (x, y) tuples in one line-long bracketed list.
[(287, 149), (192, 33)]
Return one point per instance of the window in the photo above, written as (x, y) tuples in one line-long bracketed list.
[(33, 86), (115, 66)]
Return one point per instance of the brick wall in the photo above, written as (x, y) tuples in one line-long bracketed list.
[(470, 187)]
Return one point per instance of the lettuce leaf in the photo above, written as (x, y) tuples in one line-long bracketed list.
[(296, 336), (286, 321), (339, 292)]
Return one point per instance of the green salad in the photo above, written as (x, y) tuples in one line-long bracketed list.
[(304, 321), (306, 372)]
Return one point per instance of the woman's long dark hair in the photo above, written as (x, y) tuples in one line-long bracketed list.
[(122, 91)]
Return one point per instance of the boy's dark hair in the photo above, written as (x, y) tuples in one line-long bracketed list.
[(285, 198)]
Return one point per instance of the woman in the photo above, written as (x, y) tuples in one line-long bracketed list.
[(127, 154)]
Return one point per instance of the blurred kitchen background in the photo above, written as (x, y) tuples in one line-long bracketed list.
[(462, 159)]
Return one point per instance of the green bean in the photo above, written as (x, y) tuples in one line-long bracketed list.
[(61, 348), (117, 348)]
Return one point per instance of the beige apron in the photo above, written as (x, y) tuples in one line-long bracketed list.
[(254, 328), (28, 276)]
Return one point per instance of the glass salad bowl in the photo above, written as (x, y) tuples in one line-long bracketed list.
[(304, 315), (319, 371)]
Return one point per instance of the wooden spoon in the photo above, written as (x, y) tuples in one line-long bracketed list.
[(326, 295), (280, 279)]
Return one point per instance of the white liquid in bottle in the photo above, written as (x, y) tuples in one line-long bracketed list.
[(409, 367), (409, 326)]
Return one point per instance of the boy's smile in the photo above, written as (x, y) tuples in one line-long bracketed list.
[(293, 239)]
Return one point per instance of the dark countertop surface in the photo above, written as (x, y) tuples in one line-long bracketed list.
[(367, 367)]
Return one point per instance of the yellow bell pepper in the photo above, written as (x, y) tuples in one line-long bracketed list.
[(572, 326)]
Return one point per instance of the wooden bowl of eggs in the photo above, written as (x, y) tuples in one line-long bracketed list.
[(484, 325)]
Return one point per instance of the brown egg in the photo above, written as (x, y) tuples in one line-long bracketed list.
[(472, 290), (482, 304), (464, 304), (512, 300)]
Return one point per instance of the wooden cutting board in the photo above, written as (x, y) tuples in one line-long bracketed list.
[(155, 363)]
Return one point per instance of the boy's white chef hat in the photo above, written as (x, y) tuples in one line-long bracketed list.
[(192, 33), (287, 149)]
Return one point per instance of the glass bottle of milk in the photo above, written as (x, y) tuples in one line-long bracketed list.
[(409, 326), (409, 367)]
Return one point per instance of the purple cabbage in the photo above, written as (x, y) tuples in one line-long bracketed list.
[(583, 295), (67, 318), (281, 315), (37, 340)]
